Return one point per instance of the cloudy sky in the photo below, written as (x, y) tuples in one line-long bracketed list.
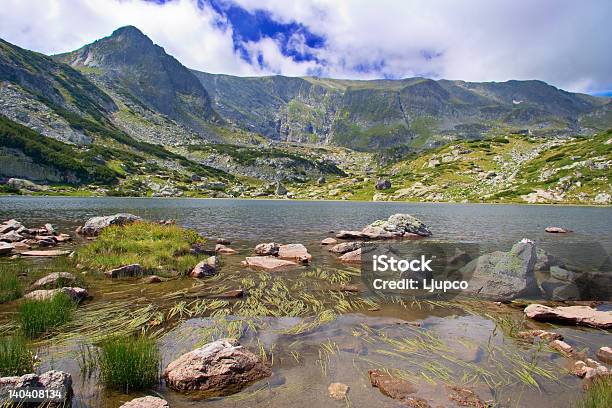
[(563, 42)]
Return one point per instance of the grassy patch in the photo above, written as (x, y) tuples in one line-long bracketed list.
[(15, 357), (158, 248), (129, 363), (598, 395), (10, 286), (37, 317)]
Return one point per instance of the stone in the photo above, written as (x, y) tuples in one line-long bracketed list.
[(54, 279), (466, 398), (205, 268), (401, 225), (561, 346), (21, 246), (146, 402), (220, 368), (270, 248), (53, 252), (230, 294), (390, 386), (153, 279), (349, 234), (76, 294), (578, 315), (579, 368), (49, 228), (329, 241), (95, 225), (560, 273), (605, 354), (11, 236), (556, 230), (5, 248), (382, 184), (351, 257), (595, 373), (50, 380), (321, 181), (125, 271), (280, 190), (337, 391), (541, 335), (297, 252), (503, 276), (222, 249), (62, 238), (268, 262), (345, 247), (415, 402), (223, 241)]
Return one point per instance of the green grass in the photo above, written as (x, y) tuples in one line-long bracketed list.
[(598, 395), (10, 286), (130, 363), (15, 357), (157, 248), (38, 317)]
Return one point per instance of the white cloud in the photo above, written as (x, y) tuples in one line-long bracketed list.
[(563, 42)]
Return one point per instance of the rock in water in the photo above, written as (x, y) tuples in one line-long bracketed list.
[(125, 271), (146, 402), (337, 391), (329, 241), (268, 262), (220, 368), (296, 252), (503, 275), (50, 380), (382, 184), (222, 249), (95, 225), (556, 230), (269, 248), (397, 226), (76, 294), (605, 354), (345, 247), (5, 248), (578, 315), (53, 252), (351, 257), (207, 267), (54, 279), (390, 386)]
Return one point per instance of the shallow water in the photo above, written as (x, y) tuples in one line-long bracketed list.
[(454, 344)]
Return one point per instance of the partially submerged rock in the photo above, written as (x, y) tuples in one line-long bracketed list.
[(345, 247), (220, 368), (503, 275), (268, 262), (54, 280), (540, 335), (604, 354), (222, 249), (5, 248), (146, 402), (578, 315), (95, 225), (337, 391), (205, 268), (396, 226), (329, 241), (557, 230), (297, 252), (352, 257), (76, 294), (125, 271), (390, 386), (465, 397), (49, 253), (50, 380), (561, 346), (268, 248)]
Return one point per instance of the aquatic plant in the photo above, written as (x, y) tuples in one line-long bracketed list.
[(129, 363), (37, 317), (163, 249), (598, 394), (10, 287), (15, 356)]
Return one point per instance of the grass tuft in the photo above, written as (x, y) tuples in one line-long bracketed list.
[(598, 395), (155, 247), (15, 357), (10, 287), (38, 317), (130, 363)]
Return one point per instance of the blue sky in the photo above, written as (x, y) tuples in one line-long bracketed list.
[(563, 42)]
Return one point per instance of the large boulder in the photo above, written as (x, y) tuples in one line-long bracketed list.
[(219, 368), (50, 380), (12, 236), (95, 225), (403, 225), (205, 268), (268, 248), (125, 271), (577, 315), (146, 402), (10, 225), (503, 275), (76, 294), (382, 184), (53, 280)]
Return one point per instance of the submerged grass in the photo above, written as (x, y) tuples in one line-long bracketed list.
[(15, 356), (10, 286), (157, 248), (38, 317), (131, 363)]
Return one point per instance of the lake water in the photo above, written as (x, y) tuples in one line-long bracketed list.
[(451, 345)]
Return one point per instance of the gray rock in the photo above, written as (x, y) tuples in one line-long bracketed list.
[(125, 271), (95, 225), (321, 181), (146, 402), (382, 184), (345, 247), (280, 189), (76, 294), (401, 225), (54, 279), (22, 184), (51, 380), (270, 248), (562, 274), (205, 268), (12, 236), (221, 367), (503, 275)]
